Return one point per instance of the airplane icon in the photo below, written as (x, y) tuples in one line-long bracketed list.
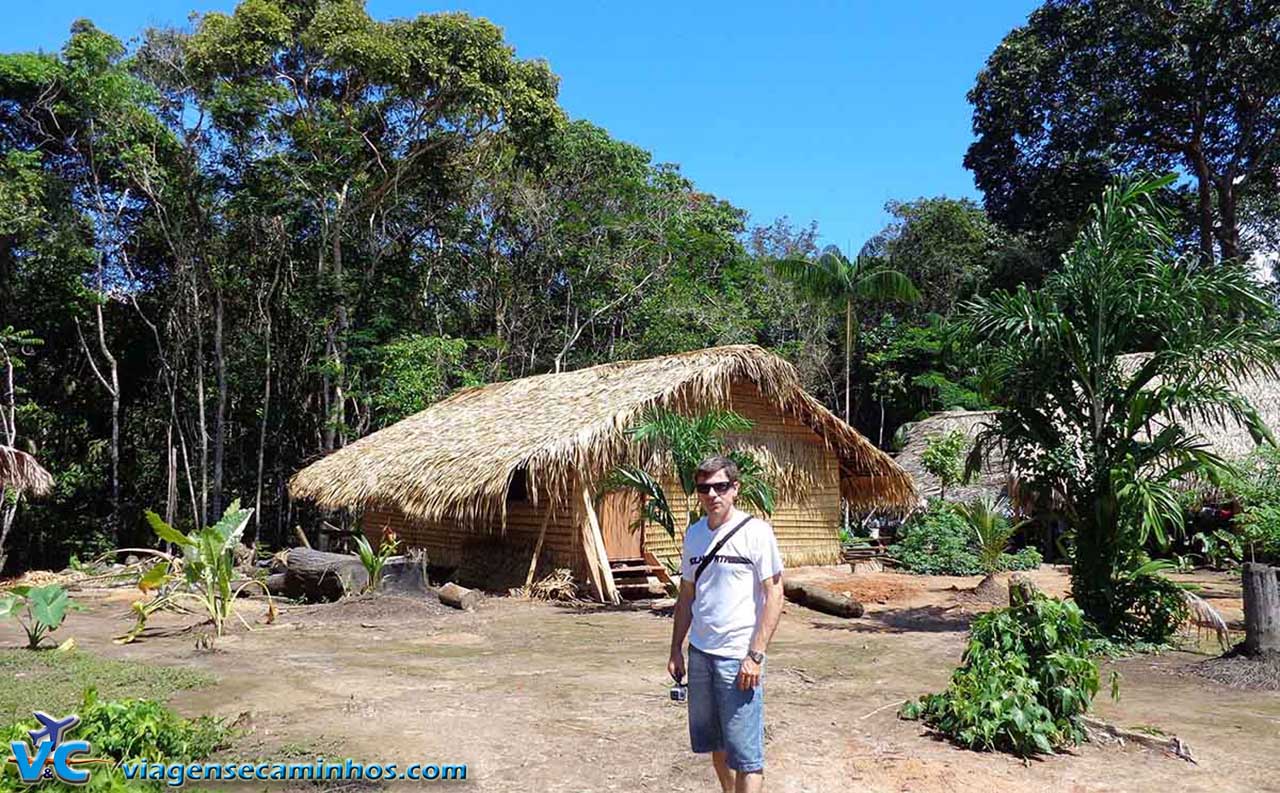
[(51, 729)]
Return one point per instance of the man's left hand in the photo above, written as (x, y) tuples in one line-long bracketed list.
[(748, 674)]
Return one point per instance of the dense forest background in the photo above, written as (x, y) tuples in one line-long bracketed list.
[(228, 249)]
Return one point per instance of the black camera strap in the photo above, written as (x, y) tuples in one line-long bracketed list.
[(706, 560)]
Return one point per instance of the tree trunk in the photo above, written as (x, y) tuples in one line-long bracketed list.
[(459, 597), (220, 411), (848, 356), (262, 428), (1204, 202), (316, 575), (823, 600), (1261, 609), (1228, 231)]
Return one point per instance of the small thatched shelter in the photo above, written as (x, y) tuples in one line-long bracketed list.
[(1230, 440), (992, 479), (515, 467), (19, 471)]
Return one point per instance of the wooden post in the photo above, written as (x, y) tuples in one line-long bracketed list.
[(1261, 609), (594, 546), (537, 549)]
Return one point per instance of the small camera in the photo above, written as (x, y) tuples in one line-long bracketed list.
[(679, 693)]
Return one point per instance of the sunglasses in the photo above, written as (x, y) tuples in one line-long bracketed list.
[(719, 487)]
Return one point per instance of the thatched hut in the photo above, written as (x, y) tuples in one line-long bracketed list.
[(1229, 440), (992, 479), (19, 471), (515, 468)]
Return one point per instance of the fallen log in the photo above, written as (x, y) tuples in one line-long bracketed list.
[(824, 600), (459, 597), (1101, 732), (318, 575)]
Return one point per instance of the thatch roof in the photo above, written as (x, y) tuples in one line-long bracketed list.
[(458, 457), (20, 471), (992, 479), (1231, 440)]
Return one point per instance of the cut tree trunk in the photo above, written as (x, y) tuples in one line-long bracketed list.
[(824, 600), (1261, 609), (1021, 589), (316, 575), (459, 597)]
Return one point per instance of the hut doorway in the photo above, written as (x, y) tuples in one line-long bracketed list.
[(620, 525)]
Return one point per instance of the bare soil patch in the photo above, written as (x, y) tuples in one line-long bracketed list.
[(535, 696)]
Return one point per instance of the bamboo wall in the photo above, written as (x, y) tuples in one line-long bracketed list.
[(806, 522), (445, 541)]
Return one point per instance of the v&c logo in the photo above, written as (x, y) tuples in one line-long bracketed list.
[(50, 755)]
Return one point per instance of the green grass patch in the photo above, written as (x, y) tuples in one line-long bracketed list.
[(55, 682)]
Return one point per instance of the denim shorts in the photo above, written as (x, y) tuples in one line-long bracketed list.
[(721, 717)]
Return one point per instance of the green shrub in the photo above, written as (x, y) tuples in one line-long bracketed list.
[(1025, 679), (939, 541), (129, 729), (1154, 607), (141, 728)]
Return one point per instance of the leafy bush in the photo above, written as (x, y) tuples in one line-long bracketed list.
[(939, 541), (129, 729), (40, 610), (1154, 607), (1025, 679), (142, 728), (942, 457)]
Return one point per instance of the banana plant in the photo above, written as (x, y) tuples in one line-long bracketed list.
[(40, 610), (201, 576)]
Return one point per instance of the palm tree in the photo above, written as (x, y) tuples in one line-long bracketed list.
[(686, 441), (1103, 435), (987, 518), (833, 278)]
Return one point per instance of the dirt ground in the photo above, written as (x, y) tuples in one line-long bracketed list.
[(534, 696)]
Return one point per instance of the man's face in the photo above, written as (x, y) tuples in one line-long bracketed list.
[(716, 493)]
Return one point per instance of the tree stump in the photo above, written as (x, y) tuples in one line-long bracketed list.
[(1261, 609), (1022, 590), (459, 597), (317, 575)]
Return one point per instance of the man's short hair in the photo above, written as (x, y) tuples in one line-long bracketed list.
[(717, 462)]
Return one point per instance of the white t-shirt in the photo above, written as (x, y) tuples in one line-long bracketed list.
[(728, 598)]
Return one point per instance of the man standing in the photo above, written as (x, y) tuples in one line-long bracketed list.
[(729, 605)]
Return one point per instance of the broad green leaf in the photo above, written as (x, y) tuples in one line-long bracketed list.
[(49, 605), (166, 532), (155, 577)]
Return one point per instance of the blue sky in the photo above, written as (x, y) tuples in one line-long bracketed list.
[(815, 110)]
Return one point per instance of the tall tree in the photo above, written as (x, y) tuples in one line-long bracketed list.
[(1107, 441), (1088, 88), (837, 280)]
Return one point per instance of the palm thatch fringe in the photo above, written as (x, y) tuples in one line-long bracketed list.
[(456, 459), (19, 471)]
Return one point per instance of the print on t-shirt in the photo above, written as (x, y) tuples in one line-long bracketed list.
[(728, 597)]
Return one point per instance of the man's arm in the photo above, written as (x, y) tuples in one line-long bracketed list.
[(683, 619), (749, 673)]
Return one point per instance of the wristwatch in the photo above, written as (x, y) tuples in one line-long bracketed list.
[(755, 656)]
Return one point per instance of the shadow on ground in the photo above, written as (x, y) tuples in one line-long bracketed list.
[(923, 619)]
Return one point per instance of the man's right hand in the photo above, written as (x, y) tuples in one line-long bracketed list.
[(675, 666)]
